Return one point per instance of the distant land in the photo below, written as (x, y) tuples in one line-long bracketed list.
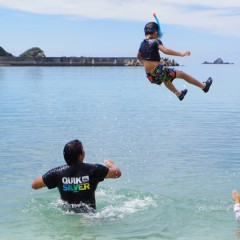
[(217, 61), (36, 57), (32, 52)]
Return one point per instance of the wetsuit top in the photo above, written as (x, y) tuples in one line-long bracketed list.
[(76, 183), (149, 49)]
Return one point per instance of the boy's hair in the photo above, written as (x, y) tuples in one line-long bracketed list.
[(151, 27), (72, 151)]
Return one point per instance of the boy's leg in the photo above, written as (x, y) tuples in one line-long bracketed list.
[(179, 94), (172, 88), (189, 79)]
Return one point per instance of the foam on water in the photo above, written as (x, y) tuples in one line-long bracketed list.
[(121, 205), (113, 205)]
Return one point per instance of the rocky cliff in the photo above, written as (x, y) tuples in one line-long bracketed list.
[(33, 52)]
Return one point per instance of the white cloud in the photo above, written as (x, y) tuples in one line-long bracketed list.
[(217, 16)]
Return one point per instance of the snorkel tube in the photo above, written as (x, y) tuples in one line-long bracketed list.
[(160, 34)]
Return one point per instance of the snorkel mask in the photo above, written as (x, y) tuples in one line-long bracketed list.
[(160, 34)]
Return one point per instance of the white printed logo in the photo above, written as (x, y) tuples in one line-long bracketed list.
[(85, 179)]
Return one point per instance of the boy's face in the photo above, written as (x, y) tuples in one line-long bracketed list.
[(153, 35)]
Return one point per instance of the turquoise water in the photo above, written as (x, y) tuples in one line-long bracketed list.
[(179, 160)]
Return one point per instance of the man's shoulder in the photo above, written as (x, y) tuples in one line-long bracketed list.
[(87, 165), (91, 165), (57, 170), (61, 168)]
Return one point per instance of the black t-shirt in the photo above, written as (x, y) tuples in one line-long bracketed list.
[(149, 49), (76, 183)]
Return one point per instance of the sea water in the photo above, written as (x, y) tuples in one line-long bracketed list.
[(180, 161)]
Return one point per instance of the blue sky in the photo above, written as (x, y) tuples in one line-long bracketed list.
[(114, 28)]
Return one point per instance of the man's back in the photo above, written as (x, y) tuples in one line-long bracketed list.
[(76, 183)]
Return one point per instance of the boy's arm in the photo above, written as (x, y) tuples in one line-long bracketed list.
[(139, 57), (114, 171), (172, 52), (38, 183)]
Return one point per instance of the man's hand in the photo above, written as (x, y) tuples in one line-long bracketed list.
[(114, 171), (38, 183)]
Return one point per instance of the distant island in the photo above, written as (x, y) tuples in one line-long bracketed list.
[(32, 52), (217, 61)]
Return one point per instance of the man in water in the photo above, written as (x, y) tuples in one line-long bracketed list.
[(77, 181)]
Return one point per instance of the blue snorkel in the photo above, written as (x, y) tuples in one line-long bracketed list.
[(160, 34)]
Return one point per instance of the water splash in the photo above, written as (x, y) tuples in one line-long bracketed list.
[(111, 205)]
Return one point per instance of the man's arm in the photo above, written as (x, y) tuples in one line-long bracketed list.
[(114, 171), (38, 183), (172, 52)]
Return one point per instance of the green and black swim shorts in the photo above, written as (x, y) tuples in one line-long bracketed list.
[(161, 74)]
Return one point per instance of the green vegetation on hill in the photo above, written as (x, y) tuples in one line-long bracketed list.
[(33, 52), (3, 53)]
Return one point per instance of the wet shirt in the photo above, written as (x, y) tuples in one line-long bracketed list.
[(76, 183), (149, 49)]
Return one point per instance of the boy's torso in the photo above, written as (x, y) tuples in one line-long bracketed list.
[(150, 53)]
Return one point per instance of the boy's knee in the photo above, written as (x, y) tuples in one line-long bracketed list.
[(180, 74)]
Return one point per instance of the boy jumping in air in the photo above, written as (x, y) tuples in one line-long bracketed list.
[(156, 73)]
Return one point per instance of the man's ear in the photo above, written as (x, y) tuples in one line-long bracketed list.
[(83, 155)]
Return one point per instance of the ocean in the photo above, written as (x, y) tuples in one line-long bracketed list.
[(180, 161)]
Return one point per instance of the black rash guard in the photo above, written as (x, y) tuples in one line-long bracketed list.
[(149, 49), (76, 183)]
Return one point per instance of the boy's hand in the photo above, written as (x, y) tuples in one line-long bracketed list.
[(185, 53), (235, 196)]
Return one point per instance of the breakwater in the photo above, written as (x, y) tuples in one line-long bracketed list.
[(69, 61), (77, 61)]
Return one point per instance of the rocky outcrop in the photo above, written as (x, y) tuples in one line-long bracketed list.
[(3, 53), (33, 52), (168, 62), (217, 61), (163, 61)]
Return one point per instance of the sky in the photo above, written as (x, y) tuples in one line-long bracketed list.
[(114, 28)]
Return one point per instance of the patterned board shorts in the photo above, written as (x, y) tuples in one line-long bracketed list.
[(161, 74)]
